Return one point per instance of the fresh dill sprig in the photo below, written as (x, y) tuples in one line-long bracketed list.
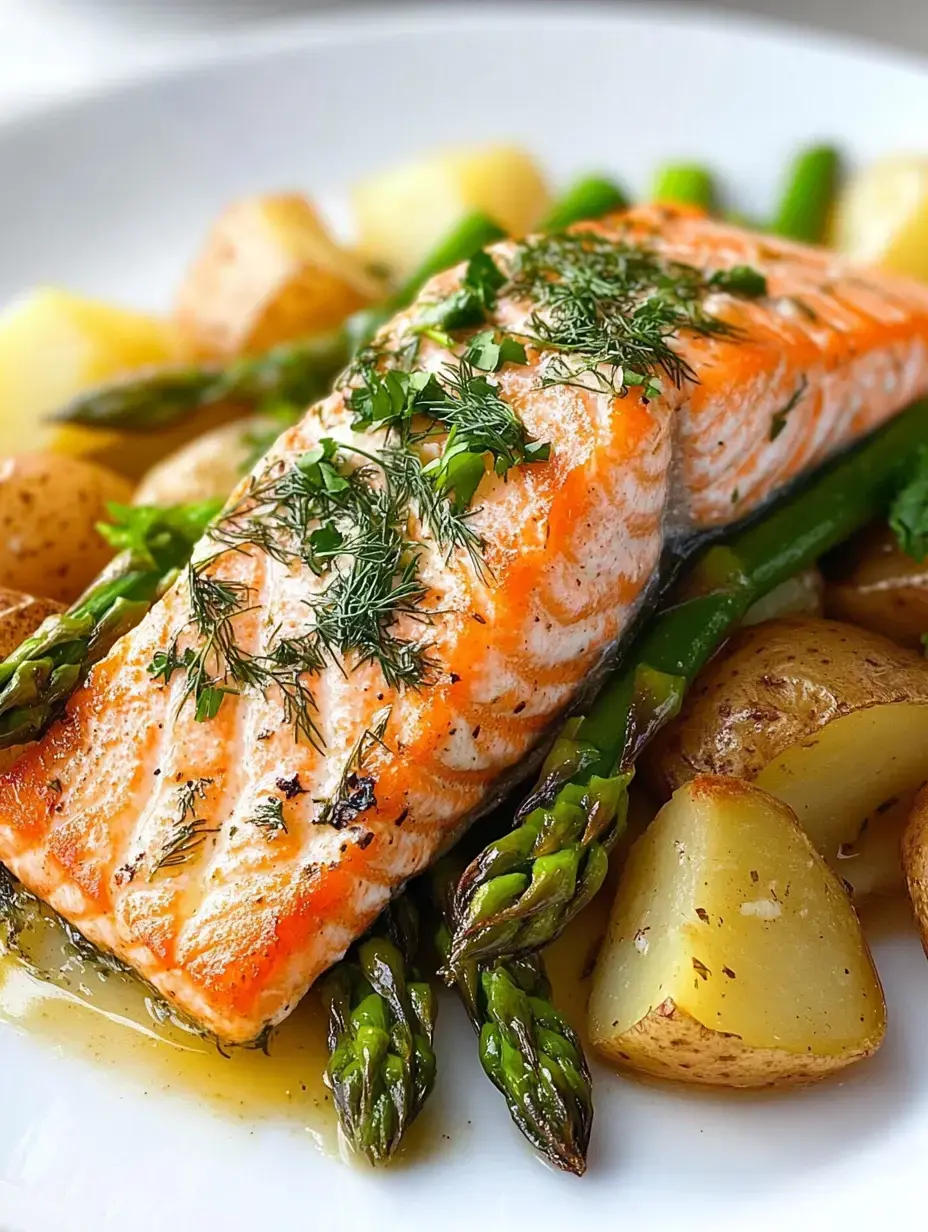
[(188, 831), (354, 794), (269, 816)]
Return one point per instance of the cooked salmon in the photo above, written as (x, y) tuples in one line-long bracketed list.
[(231, 799)]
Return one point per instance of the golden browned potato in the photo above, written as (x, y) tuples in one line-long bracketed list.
[(49, 507), (870, 581), (54, 345), (206, 468), (269, 272), (829, 718), (403, 212), (733, 955)]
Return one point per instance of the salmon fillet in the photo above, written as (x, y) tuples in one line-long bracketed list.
[(232, 856)]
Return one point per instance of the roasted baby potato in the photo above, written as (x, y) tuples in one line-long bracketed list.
[(733, 956), (870, 581), (20, 616), (206, 468), (49, 507), (881, 217), (829, 718), (403, 212), (54, 345), (268, 272)]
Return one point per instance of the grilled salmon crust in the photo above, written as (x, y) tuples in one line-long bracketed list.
[(235, 921)]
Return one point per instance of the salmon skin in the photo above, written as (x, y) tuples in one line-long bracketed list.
[(345, 675)]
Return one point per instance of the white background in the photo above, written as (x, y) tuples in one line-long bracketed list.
[(49, 46)]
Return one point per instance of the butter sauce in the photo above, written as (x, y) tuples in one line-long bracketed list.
[(54, 991), (112, 1019)]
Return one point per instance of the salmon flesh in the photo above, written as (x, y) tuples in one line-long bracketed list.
[(358, 656)]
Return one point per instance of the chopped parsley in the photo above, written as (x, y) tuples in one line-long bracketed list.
[(741, 280)]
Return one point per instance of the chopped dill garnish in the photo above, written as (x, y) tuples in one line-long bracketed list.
[(778, 419), (269, 816), (610, 310), (188, 832)]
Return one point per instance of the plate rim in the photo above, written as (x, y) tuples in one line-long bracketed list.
[(369, 21), (254, 46)]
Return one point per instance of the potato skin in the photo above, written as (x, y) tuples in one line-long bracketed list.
[(268, 272), (49, 507), (669, 1043), (206, 468), (915, 862), (871, 582), (20, 616), (775, 684), (733, 957)]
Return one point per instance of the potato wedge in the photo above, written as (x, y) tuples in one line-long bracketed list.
[(871, 582), (915, 861), (733, 956), (403, 212), (49, 507), (831, 719), (207, 467), (53, 345), (267, 273), (881, 217)]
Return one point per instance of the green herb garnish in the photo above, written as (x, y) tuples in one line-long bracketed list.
[(269, 816), (908, 514), (189, 831), (778, 419), (609, 311), (741, 280)]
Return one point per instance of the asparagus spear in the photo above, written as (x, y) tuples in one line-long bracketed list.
[(294, 373), (589, 197), (39, 676), (382, 1066), (521, 891), (527, 1050), (808, 195), (685, 184)]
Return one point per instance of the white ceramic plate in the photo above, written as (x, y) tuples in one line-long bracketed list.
[(109, 194)]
